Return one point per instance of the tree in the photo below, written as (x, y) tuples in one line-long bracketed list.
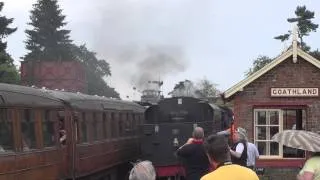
[(46, 40), (258, 63), (8, 72), (203, 89), (4, 29), (183, 88), (96, 71), (305, 26), (207, 89), (315, 54)]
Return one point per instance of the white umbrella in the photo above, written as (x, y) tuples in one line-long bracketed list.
[(299, 139)]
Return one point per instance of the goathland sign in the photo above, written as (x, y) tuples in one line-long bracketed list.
[(294, 92)]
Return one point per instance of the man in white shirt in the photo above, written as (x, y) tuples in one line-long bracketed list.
[(252, 155), (239, 149)]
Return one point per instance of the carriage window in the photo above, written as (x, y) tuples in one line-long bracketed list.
[(113, 125), (61, 128), (99, 126), (141, 119), (48, 128), (139, 122), (128, 125), (133, 122), (104, 125), (120, 125), (94, 127), (6, 131), (84, 128), (28, 131)]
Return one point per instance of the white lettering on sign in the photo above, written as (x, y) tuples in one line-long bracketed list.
[(294, 92)]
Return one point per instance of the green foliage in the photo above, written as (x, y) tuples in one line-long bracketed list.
[(96, 71), (315, 54), (203, 89), (283, 37), (305, 26), (258, 63), (206, 89), (89, 59), (303, 20), (8, 72), (4, 29), (46, 40)]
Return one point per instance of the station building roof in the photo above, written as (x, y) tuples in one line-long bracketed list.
[(293, 51)]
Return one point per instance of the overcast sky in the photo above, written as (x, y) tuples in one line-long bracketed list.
[(184, 39)]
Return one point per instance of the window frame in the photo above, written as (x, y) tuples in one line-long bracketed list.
[(34, 120), (9, 118), (268, 140), (53, 118), (268, 134), (83, 124)]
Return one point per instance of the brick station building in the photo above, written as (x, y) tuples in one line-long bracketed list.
[(66, 75), (284, 94)]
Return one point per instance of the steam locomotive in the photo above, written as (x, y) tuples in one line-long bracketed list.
[(47, 134), (170, 123)]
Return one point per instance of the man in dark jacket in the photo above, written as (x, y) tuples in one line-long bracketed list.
[(196, 162)]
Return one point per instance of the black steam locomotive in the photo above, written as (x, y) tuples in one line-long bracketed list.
[(170, 123)]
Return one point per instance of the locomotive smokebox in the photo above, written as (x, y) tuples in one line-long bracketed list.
[(175, 119)]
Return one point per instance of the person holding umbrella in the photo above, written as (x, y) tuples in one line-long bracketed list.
[(311, 168), (305, 140)]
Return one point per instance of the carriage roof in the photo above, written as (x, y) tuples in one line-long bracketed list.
[(94, 102), (16, 95)]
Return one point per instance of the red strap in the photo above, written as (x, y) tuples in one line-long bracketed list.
[(197, 141)]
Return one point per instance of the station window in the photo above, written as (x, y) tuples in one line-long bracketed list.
[(268, 122), (28, 129), (293, 119), (48, 128), (84, 137), (6, 131)]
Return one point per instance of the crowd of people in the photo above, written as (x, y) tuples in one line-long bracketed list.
[(212, 158), (219, 156)]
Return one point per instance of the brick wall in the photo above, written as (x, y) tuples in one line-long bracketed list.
[(69, 75), (286, 74)]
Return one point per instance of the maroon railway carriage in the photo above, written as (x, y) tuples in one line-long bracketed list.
[(101, 133)]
